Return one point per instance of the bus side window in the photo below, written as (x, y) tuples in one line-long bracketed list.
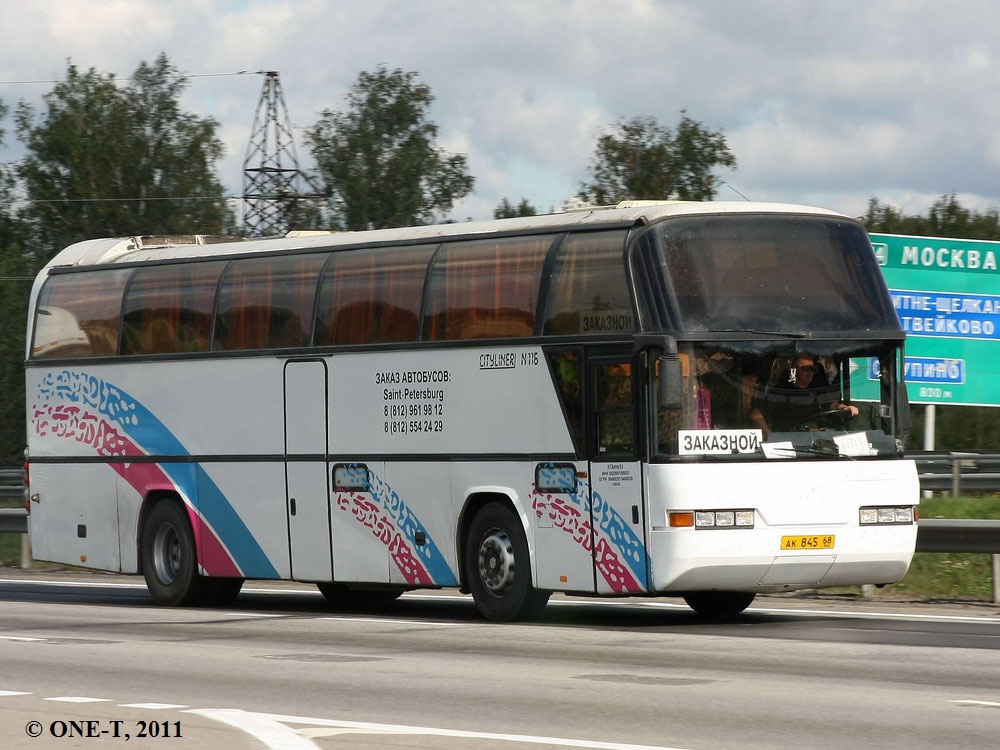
[(485, 289), (588, 291), (267, 303), (372, 297), (567, 371), (613, 409), (168, 309), (79, 315)]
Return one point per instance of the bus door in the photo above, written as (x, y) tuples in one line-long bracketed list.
[(615, 475), (307, 489)]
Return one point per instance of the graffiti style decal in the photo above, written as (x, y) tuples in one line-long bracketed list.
[(380, 509), (619, 554), (86, 409)]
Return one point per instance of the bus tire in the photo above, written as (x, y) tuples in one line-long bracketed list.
[(497, 566), (719, 603), (170, 559)]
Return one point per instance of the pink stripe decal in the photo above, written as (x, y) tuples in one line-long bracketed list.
[(88, 428), (566, 516), (371, 515)]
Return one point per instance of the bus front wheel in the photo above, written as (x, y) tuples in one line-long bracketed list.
[(497, 566), (169, 557), (719, 603)]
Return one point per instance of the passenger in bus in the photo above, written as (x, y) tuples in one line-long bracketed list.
[(799, 394)]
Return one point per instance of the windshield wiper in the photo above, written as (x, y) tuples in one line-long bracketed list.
[(826, 448), (758, 332)]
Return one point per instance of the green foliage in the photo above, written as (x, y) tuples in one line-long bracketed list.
[(946, 218), (15, 284), (110, 161), (101, 161), (507, 210), (379, 160), (951, 575), (640, 159)]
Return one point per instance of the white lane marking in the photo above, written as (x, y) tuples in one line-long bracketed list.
[(639, 602), (393, 621), (273, 734), (272, 730), (979, 704), (878, 615), (152, 706), (21, 638), (78, 699), (6, 693), (556, 603), (77, 584), (251, 614)]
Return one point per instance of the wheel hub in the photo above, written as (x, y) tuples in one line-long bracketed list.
[(496, 562), (166, 554)]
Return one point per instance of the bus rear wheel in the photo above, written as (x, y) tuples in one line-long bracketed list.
[(719, 603), (497, 566), (170, 559)]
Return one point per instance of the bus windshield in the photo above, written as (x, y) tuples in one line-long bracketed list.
[(775, 273), (744, 405)]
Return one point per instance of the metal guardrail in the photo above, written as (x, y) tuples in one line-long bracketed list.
[(13, 521), (956, 472), (11, 483), (933, 534), (958, 535)]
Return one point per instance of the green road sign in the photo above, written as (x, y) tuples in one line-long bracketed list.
[(947, 296)]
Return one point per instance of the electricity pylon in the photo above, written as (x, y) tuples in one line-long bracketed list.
[(273, 200)]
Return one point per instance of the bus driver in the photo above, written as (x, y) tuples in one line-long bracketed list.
[(802, 392)]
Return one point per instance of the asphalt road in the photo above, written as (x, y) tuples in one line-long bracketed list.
[(88, 659)]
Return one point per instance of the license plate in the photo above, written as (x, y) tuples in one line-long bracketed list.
[(818, 541)]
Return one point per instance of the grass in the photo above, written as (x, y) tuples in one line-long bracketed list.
[(10, 544), (950, 575), (931, 576)]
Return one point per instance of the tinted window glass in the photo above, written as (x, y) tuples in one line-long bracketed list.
[(767, 273), (588, 290), (372, 296), (78, 315), (485, 289), (168, 309), (267, 303)]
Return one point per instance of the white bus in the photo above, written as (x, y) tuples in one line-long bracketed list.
[(591, 403)]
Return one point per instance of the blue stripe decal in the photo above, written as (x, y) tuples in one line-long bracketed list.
[(154, 438)]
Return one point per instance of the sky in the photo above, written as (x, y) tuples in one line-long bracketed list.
[(828, 103)]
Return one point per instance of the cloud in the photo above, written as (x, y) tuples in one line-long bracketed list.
[(829, 101)]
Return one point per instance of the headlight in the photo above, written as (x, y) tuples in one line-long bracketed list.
[(887, 515), (720, 519)]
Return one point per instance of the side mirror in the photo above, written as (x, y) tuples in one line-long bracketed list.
[(669, 391), (670, 385)]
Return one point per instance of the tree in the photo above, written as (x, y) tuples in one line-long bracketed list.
[(506, 210), (945, 218), (110, 161), (641, 159), (15, 284), (379, 161)]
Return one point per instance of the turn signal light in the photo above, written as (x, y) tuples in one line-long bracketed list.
[(713, 519)]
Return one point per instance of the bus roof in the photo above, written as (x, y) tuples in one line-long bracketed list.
[(153, 248)]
